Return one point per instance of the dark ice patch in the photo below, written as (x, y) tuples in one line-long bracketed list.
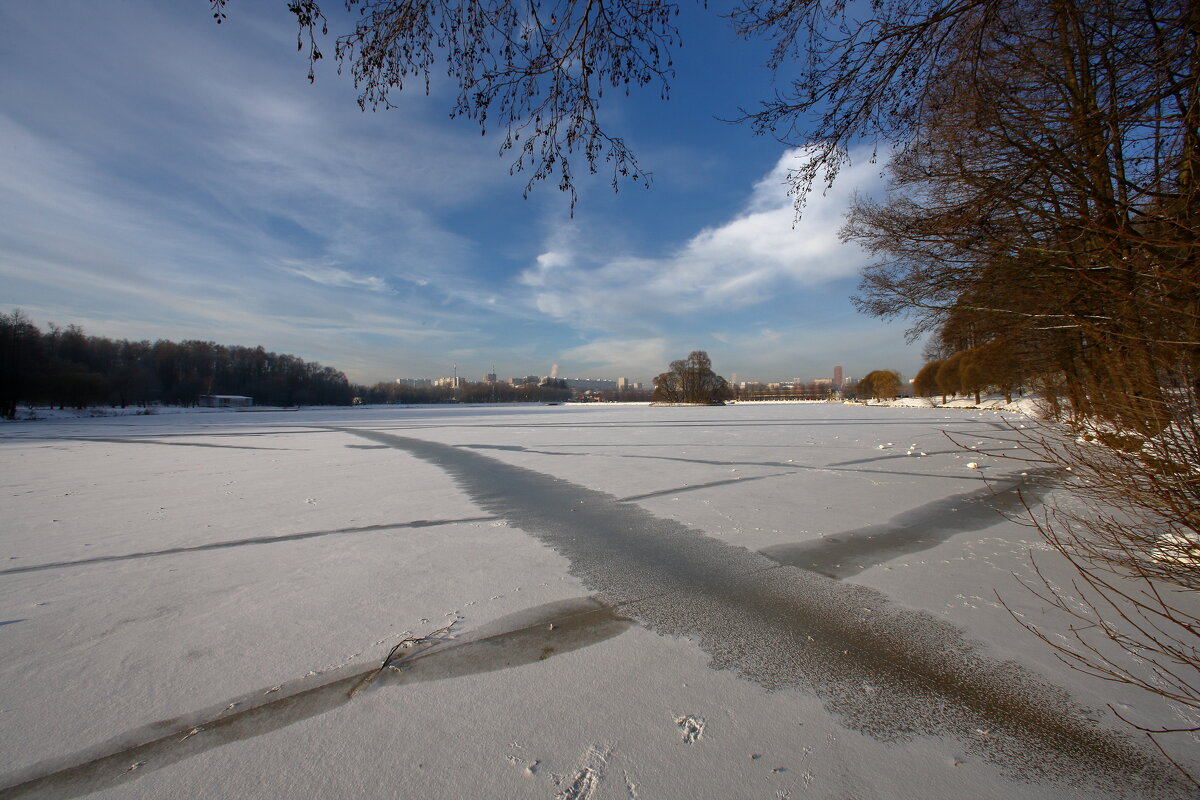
[(525, 637), (886, 671), (850, 552)]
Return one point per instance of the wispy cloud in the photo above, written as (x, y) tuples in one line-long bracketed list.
[(233, 202), (329, 275)]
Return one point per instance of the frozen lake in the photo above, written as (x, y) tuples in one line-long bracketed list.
[(760, 600)]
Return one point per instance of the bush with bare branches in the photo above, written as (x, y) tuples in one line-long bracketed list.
[(1130, 530)]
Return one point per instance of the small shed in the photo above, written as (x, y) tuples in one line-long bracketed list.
[(226, 401)]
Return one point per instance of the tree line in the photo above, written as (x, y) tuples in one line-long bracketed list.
[(806, 391), (1042, 223), (555, 391), (67, 368), (1042, 218)]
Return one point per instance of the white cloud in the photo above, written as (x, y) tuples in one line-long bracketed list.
[(329, 275), (615, 356), (739, 263)]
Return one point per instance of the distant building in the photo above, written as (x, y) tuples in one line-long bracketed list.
[(598, 384), (837, 378), (225, 401), (490, 377), (415, 383)]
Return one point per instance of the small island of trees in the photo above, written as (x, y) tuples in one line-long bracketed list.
[(692, 381)]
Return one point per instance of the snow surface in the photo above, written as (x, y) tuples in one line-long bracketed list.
[(199, 604)]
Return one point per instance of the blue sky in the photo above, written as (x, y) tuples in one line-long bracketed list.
[(166, 177)]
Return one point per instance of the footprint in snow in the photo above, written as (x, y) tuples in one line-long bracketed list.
[(692, 727)]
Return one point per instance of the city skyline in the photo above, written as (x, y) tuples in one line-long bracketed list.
[(825, 385), (834, 378)]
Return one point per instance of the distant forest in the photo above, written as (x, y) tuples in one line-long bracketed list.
[(66, 368)]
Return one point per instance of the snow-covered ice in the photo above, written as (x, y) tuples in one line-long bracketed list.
[(760, 600)]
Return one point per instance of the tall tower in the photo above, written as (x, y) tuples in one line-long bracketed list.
[(837, 378)]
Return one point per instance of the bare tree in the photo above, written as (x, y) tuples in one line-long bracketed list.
[(692, 380), (1131, 532), (1046, 207)]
